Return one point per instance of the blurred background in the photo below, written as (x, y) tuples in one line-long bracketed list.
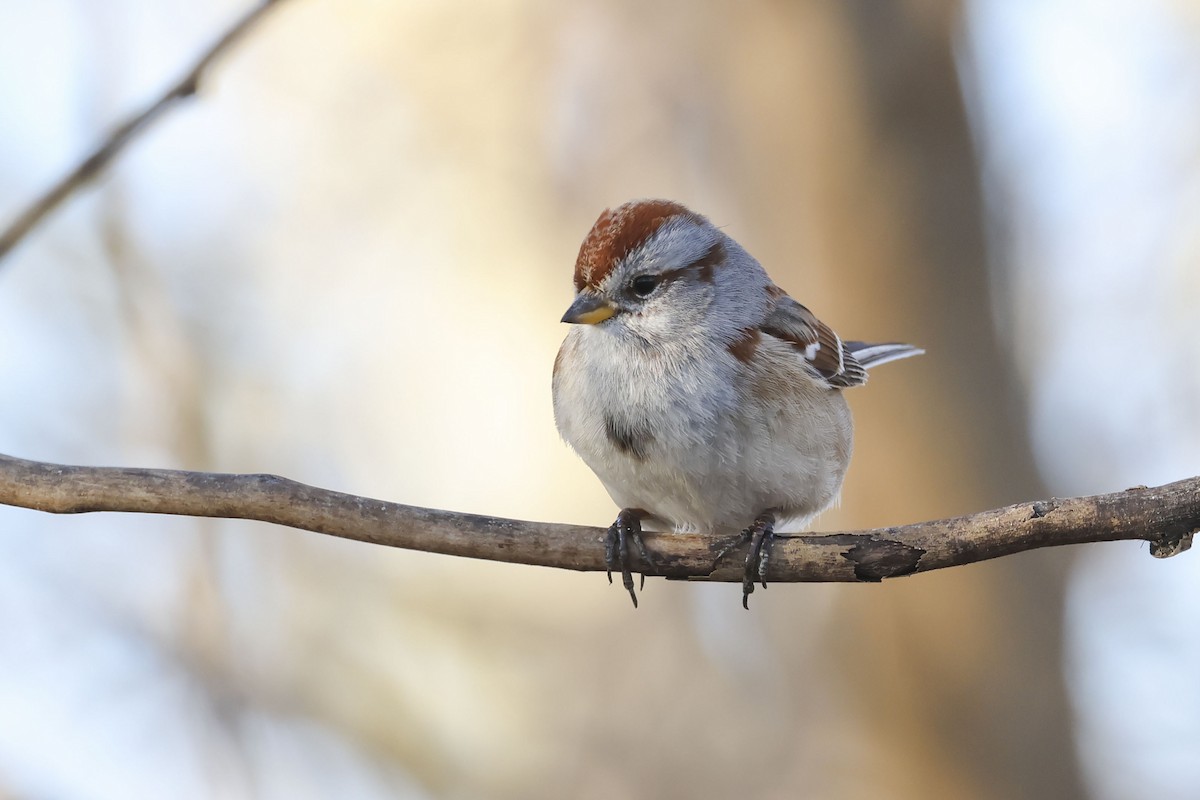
[(345, 263)]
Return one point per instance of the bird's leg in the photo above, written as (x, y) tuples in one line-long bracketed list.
[(628, 527), (762, 537)]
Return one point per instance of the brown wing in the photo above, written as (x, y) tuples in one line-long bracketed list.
[(816, 343)]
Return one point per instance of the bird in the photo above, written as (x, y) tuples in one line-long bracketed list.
[(697, 390)]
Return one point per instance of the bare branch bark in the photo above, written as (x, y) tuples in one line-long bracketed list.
[(91, 166), (1166, 517)]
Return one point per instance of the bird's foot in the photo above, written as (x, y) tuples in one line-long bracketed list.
[(627, 528), (762, 538)]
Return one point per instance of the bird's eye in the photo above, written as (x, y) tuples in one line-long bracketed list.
[(643, 285)]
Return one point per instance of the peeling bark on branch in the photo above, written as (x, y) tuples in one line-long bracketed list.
[(1166, 516)]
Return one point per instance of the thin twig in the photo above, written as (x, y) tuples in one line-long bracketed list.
[(91, 166), (1166, 516)]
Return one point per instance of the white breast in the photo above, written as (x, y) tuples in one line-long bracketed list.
[(684, 433)]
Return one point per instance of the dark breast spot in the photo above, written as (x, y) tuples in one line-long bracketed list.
[(631, 438)]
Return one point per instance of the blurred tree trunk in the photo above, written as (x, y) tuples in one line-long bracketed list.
[(958, 677)]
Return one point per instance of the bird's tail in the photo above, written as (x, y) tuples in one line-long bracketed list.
[(872, 355)]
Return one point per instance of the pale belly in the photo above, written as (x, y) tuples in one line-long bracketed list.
[(720, 487), (697, 452)]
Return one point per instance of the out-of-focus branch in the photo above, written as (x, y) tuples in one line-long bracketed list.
[(126, 132), (1166, 517)]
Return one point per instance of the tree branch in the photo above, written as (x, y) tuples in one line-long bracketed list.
[(1166, 517), (91, 166)]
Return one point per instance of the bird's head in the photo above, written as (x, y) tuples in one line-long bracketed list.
[(657, 272)]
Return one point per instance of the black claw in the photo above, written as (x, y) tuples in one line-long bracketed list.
[(636, 535), (762, 536), (628, 527), (610, 550), (765, 556), (623, 548)]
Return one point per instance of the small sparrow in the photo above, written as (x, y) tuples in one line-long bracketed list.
[(702, 396)]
